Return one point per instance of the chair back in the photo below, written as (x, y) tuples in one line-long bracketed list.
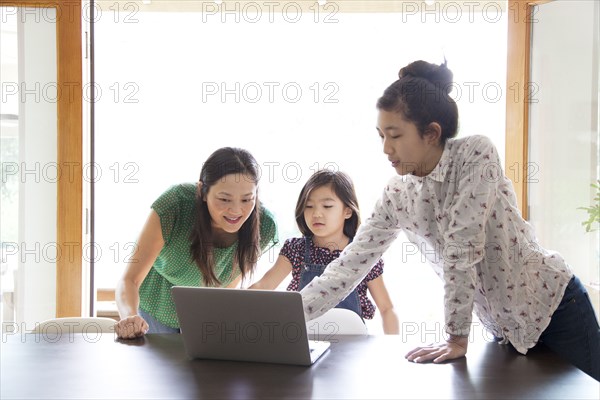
[(337, 321), (68, 325)]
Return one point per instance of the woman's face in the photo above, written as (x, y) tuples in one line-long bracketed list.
[(408, 152), (230, 201)]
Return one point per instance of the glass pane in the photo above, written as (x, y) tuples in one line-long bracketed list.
[(29, 167), (9, 155), (297, 90), (564, 131)]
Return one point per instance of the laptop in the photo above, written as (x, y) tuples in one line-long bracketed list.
[(245, 325)]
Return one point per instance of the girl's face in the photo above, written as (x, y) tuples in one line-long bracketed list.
[(230, 202), (325, 214), (408, 152)]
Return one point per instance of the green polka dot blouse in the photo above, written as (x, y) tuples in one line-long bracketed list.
[(174, 265)]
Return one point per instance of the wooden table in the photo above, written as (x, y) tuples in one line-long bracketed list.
[(155, 367)]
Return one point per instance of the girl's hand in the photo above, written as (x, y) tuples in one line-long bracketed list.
[(379, 293), (454, 347), (131, 327)]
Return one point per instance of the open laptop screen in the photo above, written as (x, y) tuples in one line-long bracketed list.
[(244, 325)]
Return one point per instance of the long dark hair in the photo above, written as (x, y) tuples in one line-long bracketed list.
[(342, 187), (422, 96), (222, 162)]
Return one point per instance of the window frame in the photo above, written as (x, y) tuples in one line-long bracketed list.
[(69, 269), (517, 111)]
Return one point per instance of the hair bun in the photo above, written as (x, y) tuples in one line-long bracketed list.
[(439, 75)]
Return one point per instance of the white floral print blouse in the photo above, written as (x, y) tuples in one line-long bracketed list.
[(465, 220)]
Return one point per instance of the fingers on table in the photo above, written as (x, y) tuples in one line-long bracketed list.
[(422, 354), (131, 327)]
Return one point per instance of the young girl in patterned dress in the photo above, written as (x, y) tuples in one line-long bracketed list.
[(327, 215), (451, 199)]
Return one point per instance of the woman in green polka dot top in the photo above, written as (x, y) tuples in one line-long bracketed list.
[(210, 233)]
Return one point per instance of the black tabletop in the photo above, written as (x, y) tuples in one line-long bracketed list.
[(156, 367)]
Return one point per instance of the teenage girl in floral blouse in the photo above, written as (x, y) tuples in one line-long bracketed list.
[(327, 215), (452, 199)]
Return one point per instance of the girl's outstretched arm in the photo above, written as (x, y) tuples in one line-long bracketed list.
[(382, 299), (275, 275)]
